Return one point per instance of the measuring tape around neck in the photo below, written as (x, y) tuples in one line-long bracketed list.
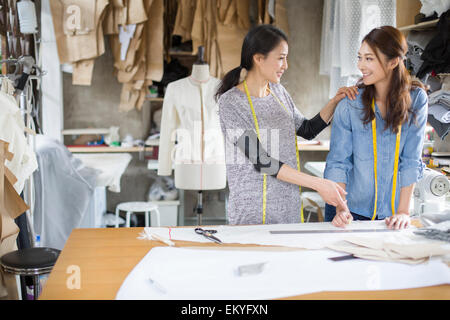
[(375, 158), (255, 120)]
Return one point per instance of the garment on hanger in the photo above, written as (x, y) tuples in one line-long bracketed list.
[(185, 103), (12, 129)]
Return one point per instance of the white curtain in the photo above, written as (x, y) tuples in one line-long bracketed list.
[(344, 25)]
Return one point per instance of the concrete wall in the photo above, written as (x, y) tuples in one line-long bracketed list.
[(308, 89), (97, 105)]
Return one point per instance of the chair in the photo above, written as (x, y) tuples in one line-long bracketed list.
[(313, 202), (30, 262), (138, 207)]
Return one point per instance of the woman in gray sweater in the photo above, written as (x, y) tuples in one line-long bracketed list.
[(260, 124)]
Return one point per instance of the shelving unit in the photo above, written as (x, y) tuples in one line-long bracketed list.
[(419, 26)]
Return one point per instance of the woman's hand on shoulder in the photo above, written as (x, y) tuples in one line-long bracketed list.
[(349, 92)]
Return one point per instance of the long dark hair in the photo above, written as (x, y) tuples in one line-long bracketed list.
[(392, 43), (260, 39)]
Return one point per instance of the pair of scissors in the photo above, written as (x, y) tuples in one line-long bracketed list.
[(208, 234)]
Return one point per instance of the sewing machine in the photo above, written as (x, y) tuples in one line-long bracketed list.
[(430, 193)]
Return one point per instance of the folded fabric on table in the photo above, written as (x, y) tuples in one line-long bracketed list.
[(402, 247)]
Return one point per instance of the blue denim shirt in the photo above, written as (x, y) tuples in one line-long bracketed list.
[(350, 159)]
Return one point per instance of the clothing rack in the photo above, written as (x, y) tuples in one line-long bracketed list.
[(23, 83)]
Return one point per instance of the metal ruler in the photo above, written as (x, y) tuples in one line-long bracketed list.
[(330, 231)]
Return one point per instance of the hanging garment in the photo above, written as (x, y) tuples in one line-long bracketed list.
[(82, 72), (76, 47), (185, 103), (344, 25), (281, 20), (136, 11), (232, 23), (58, 210), (11, 207), (184, 19), (78, 17), (155, 41), (12, 129)]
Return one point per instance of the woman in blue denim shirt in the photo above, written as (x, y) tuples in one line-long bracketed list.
[(364, 139)]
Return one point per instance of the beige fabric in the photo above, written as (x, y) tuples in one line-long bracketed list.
[(109, 25), (79, 46), (281, 20), (155, 41), (184, 19), (144, 62), (82, 72), (11, 206), (136, 12), (78, 17), (231, 31), (404, 248)]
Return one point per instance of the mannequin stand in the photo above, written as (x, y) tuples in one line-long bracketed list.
[(199, 208)]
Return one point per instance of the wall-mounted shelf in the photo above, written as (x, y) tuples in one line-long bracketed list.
[(108, 149), (420, 26), (68, 132), (154, 99), (182, 53)]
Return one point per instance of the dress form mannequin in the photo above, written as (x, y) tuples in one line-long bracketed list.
[(204, 170)]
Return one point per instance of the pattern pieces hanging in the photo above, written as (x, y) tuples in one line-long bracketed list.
[(137, 32)]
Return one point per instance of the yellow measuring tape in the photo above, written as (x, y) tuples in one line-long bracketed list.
[(255, 119), (397, 149)]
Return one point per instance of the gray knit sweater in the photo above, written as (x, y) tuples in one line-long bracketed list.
[(277, 135)]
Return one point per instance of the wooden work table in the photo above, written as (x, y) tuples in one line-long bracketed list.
[(104, 258)]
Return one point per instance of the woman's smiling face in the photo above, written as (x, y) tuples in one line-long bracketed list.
[(370, 66), (274, 64)]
